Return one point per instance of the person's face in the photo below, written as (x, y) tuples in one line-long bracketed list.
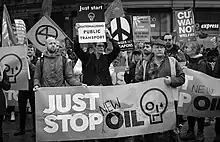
[(137, 58), (147, 49), (158, 50), (52, 45), (30, 52), (168, 40), (99, 47)]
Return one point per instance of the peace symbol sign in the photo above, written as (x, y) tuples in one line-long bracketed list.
[(45, 31), (120, 29)]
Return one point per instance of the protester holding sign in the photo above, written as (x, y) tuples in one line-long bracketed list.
[(95, 66), (52, 70), (159, 65), (4, 85)]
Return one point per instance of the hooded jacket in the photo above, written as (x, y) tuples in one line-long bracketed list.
[(55, 72)]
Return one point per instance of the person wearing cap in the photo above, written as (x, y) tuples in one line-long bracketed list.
[(159, 66)]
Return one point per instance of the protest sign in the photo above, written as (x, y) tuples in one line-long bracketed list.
[(20, 31), (185, 24), (92, 32), (118, 75), (121, 31), (90, 13), (91, 23), (43, 29), (200, 95), (97, 112), (141, 28), (15, 61)]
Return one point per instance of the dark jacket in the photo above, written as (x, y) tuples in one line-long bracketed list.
[(216, 72), (96, 71), (32, 70), (4, 85), (176, 53), (198, 64), (165, 70)]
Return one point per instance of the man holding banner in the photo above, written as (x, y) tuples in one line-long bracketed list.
[(159, 65)]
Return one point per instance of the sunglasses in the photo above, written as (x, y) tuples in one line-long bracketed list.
[(167, 39)]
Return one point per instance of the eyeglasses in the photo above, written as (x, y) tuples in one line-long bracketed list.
[(168, 39)]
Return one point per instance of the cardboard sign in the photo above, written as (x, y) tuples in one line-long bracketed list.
[(118, 76), (90, 13), (92, 32), (99, 112), (91, 23), (15, 60), (141, 28), (121, 31), (185, 25)]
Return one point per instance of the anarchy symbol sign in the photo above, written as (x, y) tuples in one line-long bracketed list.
[(45, 31)]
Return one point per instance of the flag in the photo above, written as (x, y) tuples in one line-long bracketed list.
[(43, 29), (8, 36), (47, 7), (115, 10)]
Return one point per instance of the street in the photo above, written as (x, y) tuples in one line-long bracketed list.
[(10, 127)]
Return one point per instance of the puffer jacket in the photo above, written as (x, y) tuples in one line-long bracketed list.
[(55, 72)]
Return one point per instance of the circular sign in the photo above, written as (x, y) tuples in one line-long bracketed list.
[(45, 31)]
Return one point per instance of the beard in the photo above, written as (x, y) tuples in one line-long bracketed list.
[(51, 49), (168, 46)]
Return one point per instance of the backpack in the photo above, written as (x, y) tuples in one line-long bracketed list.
[(64, 60), (208, 66)]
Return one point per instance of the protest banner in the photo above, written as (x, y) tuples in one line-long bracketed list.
[(185, 25), (141, 28), (121, 31), (92, 32), (15, 61), (43, 29), (20, 31), (91, 23), (118, 75), (97, 112), (200, 95)]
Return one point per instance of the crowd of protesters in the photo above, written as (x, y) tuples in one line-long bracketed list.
[(70, 65)]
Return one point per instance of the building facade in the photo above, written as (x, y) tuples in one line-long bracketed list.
[(64, 12)]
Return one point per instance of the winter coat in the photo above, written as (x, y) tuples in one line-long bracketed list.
[(55, 72), (96, 71), (198, 63)]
